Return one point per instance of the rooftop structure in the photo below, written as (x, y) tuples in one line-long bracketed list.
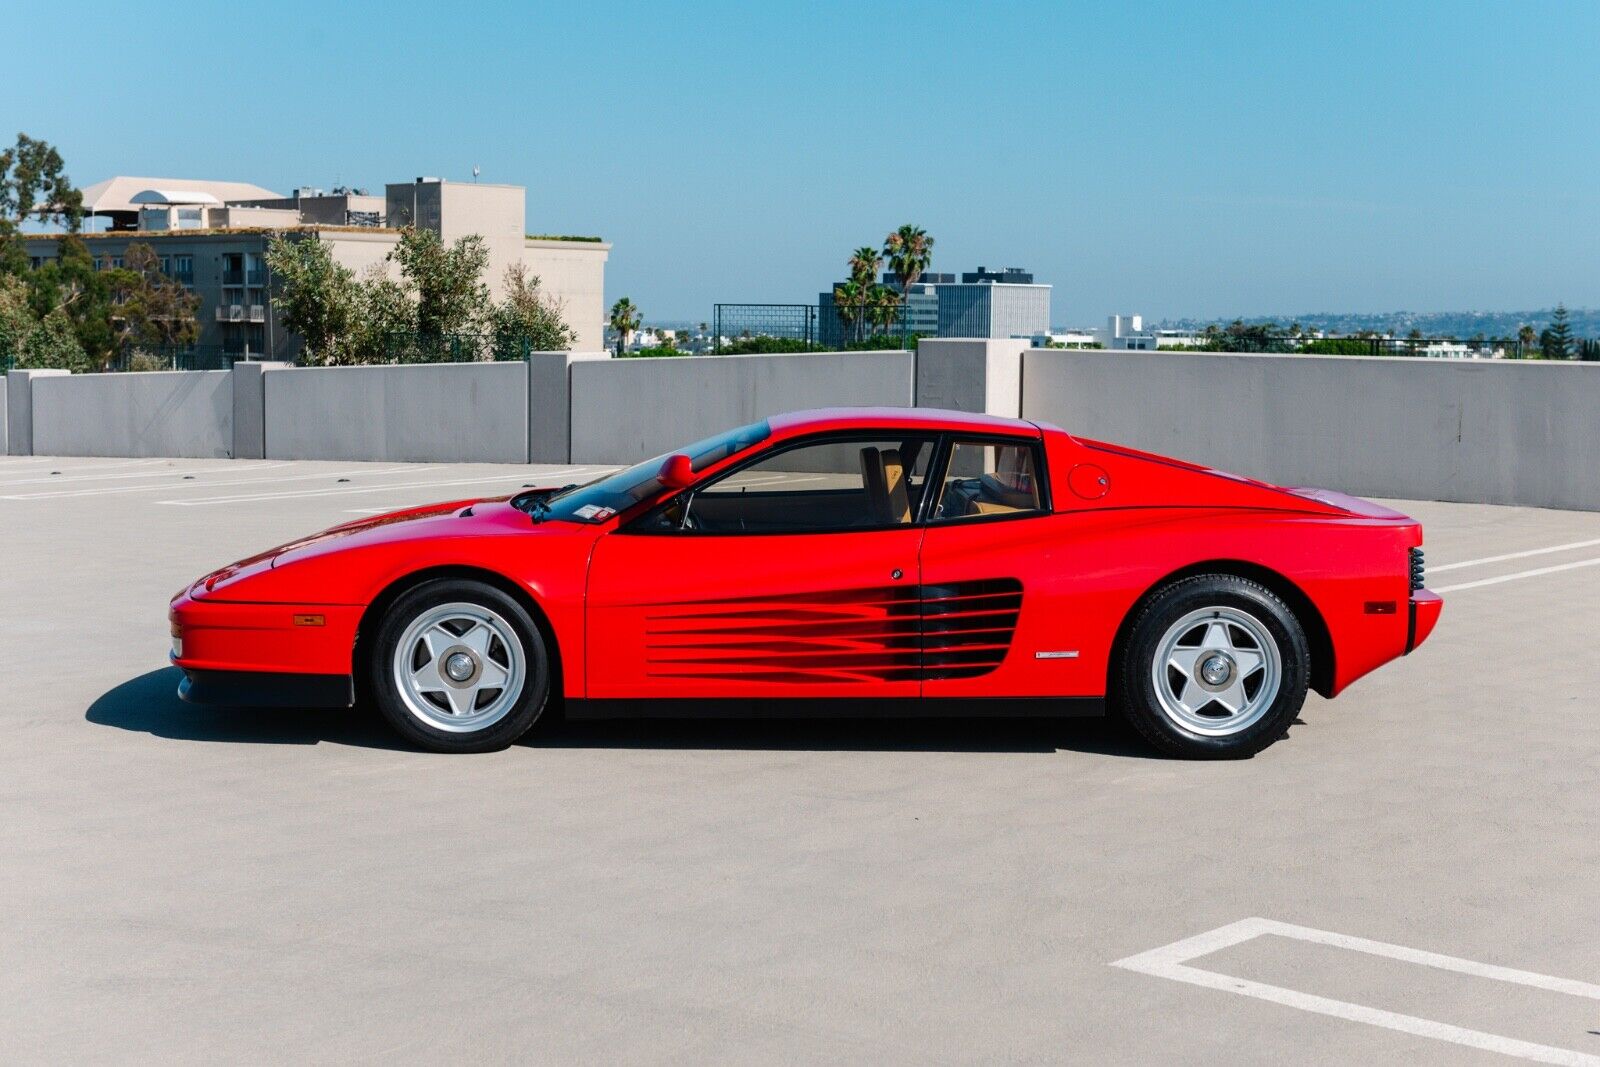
[(120, 199), (212, 237)]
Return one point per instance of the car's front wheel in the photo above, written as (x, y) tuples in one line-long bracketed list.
[(459, 666), (1216, 667)]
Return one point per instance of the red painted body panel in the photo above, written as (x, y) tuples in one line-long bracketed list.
[(738, 616), (822, 615)]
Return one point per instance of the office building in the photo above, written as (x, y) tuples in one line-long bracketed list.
[(984, 303)]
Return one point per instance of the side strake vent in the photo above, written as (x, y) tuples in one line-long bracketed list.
[(1417, 569), (887, 633)]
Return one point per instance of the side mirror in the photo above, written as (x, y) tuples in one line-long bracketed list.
[(677, 472)]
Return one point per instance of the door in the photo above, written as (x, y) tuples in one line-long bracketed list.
[(988, 572), (793, 576)]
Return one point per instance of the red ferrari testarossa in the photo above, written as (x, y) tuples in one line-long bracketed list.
[(852, 561)]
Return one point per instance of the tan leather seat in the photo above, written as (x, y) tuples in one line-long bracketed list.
[(884, 476)]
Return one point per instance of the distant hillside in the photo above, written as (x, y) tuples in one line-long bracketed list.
[(1585, 322)]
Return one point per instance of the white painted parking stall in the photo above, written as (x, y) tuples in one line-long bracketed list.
[(1175, 963)]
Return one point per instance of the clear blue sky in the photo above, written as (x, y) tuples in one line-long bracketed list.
[(1203, 159)]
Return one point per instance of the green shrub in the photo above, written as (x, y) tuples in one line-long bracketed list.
[(656, 352)]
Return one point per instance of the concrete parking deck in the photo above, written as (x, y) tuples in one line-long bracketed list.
[(1410, 877)]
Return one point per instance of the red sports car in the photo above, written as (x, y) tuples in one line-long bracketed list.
[(850, 561)]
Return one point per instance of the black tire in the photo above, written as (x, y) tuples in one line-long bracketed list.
[(1141, 702), (521, 709)]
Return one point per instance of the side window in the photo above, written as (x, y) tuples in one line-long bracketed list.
[(865, 483), (984, 478)]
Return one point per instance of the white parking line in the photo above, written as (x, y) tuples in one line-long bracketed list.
[(1536, 572), (513, 479), (40, 471), (168, 485), (147, 472), (1515, 555), (1171, 961)]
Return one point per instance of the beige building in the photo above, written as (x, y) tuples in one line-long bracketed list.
[(212, 237)]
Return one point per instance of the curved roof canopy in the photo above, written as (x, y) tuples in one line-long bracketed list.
[(121, 194), (173, 196)]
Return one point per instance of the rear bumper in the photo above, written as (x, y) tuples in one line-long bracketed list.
[(266, 689), (1424, 615)]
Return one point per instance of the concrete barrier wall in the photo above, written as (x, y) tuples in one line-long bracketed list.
[(625, 410), (177, 413), (550, 404), (440, 413), (5, 444), (1520, 432)]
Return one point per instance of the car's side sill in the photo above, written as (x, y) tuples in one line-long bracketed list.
[(267, 689), (836, 708)]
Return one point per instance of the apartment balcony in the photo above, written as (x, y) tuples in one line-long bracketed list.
[(256, 277), (233, 277), (258, 313), (235, 313)]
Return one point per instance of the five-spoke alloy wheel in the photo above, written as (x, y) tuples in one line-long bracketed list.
[(1216, 667), (459, 666)]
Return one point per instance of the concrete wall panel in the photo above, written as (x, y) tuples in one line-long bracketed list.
[(550, 404), (971, 375), (625, 410), (432, 413), (19, 409), (250, 409), (174, 413), (1497, 432)]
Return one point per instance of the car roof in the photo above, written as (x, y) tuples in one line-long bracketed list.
[(824, 419)]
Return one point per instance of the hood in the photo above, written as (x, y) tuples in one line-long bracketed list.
[(431, 523)]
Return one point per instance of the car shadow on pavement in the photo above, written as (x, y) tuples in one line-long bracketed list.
[(1106, 737), (149, 704)]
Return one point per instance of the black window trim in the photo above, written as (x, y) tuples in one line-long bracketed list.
[(944, 442)]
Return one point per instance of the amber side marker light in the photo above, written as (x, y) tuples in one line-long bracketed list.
[(308, 620), (1381, 607)]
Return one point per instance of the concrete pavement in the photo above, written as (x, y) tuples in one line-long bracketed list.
[(192, 885)]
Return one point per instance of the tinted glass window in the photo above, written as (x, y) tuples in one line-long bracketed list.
[(860, 483), (984, 478)]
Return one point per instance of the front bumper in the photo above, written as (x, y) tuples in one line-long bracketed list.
[(293, 639), (267, 689), (1424, 615)]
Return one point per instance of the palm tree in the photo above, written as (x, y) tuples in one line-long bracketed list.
[(847, 301), (864, 264), (910, 250), (624, 319), (885, 308), (1526, 337)]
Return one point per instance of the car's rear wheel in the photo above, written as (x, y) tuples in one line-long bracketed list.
[(459, 666), (1216, 667)]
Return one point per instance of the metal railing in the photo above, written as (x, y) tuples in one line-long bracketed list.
[(178, 357)]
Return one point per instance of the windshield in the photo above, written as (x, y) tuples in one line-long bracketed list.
[(602, 498)]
